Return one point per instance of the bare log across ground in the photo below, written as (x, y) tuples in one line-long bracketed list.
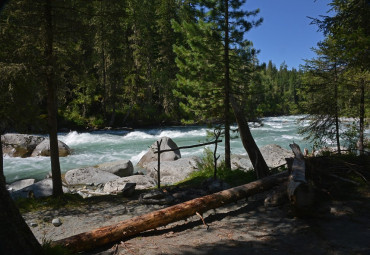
[(124, 229)]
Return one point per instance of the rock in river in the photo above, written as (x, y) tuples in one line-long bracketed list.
[(167, 143), (19, 145), (43, 149)]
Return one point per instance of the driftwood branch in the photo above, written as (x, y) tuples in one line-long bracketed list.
[(159, 164), (204, 222), (190, 146), (128, 228)]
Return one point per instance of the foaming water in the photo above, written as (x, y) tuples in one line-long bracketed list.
[(89, 149)]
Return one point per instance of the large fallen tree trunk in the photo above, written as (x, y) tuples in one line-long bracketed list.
[(109, 234)]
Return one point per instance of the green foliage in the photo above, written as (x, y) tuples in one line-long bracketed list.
[(49, 249), (26, 204), (336, 81), (206, 171), (163, 59)]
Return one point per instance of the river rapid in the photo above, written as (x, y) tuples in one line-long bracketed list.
[(91, 148)]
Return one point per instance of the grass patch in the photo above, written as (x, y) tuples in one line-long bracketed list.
[(206, 171), (33, 204), (54, 250)]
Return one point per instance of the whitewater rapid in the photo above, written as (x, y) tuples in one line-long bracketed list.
[(92, 148)]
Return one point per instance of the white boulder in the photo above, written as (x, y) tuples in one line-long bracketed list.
[(42, 188), (120, 168), (150, 156), (174, 171), (88, 175), (43, 149), (19, 145), (142, 182)]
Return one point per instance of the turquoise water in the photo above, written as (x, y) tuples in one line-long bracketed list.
[(103, 146)]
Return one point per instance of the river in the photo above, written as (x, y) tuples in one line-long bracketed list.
[(92, 148)]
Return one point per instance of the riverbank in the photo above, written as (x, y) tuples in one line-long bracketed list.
[(338, 226)]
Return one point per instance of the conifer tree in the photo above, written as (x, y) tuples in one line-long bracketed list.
[(323, 76), (207, 63), (350, 28)]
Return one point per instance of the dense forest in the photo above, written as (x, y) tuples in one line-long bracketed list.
[(95, 64), (131, 64), (113, 64)]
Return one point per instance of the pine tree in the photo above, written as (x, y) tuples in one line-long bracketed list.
[(323, 77), (350, 28), (213, 54)]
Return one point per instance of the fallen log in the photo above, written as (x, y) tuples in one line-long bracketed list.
[(124, 229)]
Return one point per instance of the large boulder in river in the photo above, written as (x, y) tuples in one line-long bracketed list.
[(167, 143), (121, 168), (174, 171), (88, 175), (43, 149), (19, 145), (42, 188), (142, 182)]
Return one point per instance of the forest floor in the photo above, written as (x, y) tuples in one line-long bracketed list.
[(338, 226)]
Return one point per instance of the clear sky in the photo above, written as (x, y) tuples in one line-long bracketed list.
[(286, 33)]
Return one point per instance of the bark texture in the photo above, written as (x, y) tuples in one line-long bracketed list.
[(52, 102)]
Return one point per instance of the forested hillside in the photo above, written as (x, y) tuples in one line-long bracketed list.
[(113, 65), (118, 63)]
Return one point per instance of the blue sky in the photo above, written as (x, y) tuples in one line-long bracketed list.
[(286, 33)]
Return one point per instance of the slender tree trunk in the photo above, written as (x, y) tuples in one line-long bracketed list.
[(103, 59), (52, 102), (336, 110), (362, 117), (258, 162), (113, 115), (15, 235), (227, 89)]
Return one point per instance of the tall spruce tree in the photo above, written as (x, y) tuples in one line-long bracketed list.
[(350, 27), (207, 62)]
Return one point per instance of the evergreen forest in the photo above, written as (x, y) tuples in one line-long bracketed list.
[(101, 64), (160, 62)]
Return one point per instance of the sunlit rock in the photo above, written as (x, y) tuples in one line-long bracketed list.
[(121, 168), (88, 175), (150, 156), (174, 171), (42, 188), (19, 145), (142, 182), (43, 149)]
